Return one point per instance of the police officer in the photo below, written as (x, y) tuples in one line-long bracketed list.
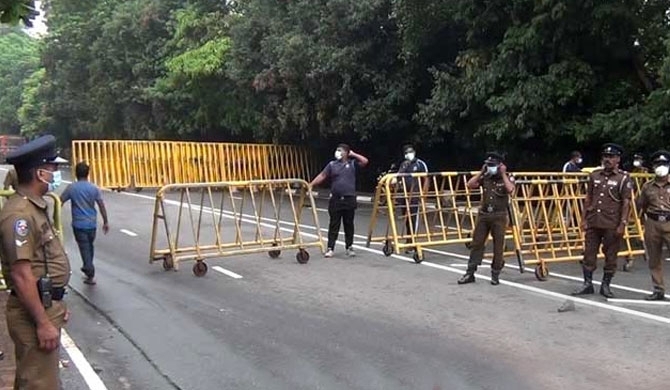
[(654, 203), (492, 217), (11, 181), (638, 164), (410, 186), (607, 207), (342, 203), (35, 266)]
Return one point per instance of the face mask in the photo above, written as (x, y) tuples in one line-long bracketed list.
[(410, 156), (662, 170), (579, 160), (637, 163), (55, 182), (492, 170), (338, 154)]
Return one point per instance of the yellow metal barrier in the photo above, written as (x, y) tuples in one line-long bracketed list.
[(212, 220), (547, 215), (423, 210), (56, 215), (152, 164)]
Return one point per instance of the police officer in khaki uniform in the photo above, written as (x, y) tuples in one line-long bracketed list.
[(607, 207), (654, 203), (35, 267), (492, 217), (11, 181)]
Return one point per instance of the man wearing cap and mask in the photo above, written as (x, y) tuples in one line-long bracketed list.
[(573, 165), (638, 164), (410, 185), (35, 266), (342, 203), (492, 218), (654, 203), (606, 212)]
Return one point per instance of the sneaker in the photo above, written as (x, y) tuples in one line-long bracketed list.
[(351, 252), (329, 253)]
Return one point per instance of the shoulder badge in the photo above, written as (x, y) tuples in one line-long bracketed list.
[(21, 227)]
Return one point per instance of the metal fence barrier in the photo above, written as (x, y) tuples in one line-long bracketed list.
[(210, 220), (153, 164)]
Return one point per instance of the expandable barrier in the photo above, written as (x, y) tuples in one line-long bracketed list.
[(209, 220), (152, 164), (56, 215), (427, 210)]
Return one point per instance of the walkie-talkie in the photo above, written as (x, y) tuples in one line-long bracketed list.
[(44, 286)]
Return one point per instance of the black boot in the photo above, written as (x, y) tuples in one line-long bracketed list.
[(587, 287), (657, 295), (469, 277), (605, 286), (494, 277)]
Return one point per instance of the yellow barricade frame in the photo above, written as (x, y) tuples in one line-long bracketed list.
[(259, 193)]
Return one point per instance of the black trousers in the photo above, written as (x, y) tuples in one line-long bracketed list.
[(341, 209)]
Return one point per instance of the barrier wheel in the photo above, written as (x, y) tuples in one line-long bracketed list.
[(302, 256), (168, 263), (199, 268), (274, 253), (541, 273), (417, 258), (628, 265), (387, 249)]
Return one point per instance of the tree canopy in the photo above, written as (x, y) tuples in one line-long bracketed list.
[(533, 78)]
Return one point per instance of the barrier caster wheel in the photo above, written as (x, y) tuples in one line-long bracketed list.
[(168, 263), (387, 249), (628, 266), (200, 268), (417, 258), (274, 253), (302, 256), (541, 273)]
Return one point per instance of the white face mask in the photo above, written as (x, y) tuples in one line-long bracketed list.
[(662, 170), (579, 160), (410, 156), (338, 154), (492, 170), (637, 163)]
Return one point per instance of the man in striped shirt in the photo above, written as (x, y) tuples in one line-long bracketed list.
[(574, 164), (410, 185)]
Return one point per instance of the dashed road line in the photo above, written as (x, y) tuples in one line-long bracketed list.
[(227, 272), (128, 232)]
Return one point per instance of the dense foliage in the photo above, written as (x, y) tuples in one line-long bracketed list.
[(535, 78)]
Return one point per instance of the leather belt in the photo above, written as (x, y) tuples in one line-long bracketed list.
[(57, 293), (659, 217)]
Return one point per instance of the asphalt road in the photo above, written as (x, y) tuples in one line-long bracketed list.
[(368, 322)]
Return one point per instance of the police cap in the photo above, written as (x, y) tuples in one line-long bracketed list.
[(494, 157), (612, 149), (638, 156), (37, 152), (661, 156)]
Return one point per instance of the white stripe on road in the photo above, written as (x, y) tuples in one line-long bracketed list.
[(251, 219), (90, 377), (638, 301), (227, 272), (128, 232)]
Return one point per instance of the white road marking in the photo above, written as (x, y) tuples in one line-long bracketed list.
[(250, 219), (227, 272), (90, 377), (128, 232), (321, 210), (638, 301)]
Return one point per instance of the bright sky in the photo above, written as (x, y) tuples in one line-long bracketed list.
[(39, 27)]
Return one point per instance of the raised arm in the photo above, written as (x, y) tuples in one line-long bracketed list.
[(362, 160)]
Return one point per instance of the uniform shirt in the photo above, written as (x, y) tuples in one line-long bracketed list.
[(639, 170), (342, 177), (83, 195), (11, 179), (607, 192), (495, 198), (26, 234), (654, 197), (571, 167), (414, 166)]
